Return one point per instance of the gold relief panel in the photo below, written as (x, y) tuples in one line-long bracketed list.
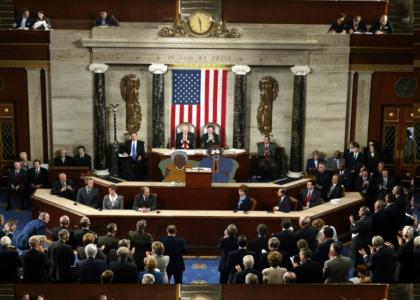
[(391, 114)]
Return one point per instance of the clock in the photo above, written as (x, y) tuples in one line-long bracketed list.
[(406, 87), (200, 22)]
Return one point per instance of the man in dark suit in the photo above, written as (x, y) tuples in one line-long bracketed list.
[(142, 242), (18, 183), (335, 190), (145, 201), (361, 231), (24, 20), (81, 231), (236, 257), (267, 157), (393, 211), (381, 224), (185, 139), (228, 243), (309, 197), (260, 243), (62, 257), (248, 262), (82, 159), (135, 158), (323, 249), (355, 160), (357, 25), (274, 245), (307, 232), (175, 248), (34, 227), (63, 160), (336, 162), (63, 187), (36, 265), (345, 178), (365, 186), (339, 25), (284, 204), (124, 271), (38, 176), (287, 238), (308, 271), (64, 224), (381, 261), (90, 269), (210, 138), (89, 195), (106, 20), (384, 184), (109, 241), (405, 255), (382, 26), (9, 261), (337, 268), (322, 179), (312, 163)]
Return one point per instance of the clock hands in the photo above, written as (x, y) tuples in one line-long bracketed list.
[(199, 21)]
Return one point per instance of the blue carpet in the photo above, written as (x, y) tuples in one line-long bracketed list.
[(201, 271), (17, 216)]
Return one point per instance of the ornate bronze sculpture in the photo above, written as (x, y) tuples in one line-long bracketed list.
[(269, 88), (129, 87)]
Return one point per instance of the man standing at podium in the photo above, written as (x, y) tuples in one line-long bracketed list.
[(135, 158), (185, 139)]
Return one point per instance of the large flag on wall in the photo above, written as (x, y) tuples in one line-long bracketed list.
[(199, 97)]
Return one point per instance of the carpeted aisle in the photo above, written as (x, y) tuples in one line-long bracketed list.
[(17, 216), (201, 270)]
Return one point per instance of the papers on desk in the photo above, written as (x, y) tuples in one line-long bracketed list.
[(168, 152), (198, 170), (335, 201), (122, 155)]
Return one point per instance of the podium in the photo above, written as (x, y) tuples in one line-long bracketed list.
[(198, 177)]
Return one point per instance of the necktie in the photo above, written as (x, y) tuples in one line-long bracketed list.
[(88, 191), (338, 163), (133, 151), (184, 139), (308, 197), (316, 164), (385, 181), (266, 152), (37, 172), (63, 159)]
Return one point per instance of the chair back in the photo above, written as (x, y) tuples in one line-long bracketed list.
[(254, 203), (294, 202), (191, 127)]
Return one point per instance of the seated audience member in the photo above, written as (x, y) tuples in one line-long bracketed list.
[(89, 195), (235, 257), (244, 202), (345, 178), (135, 157), (312, 163), (339, 25), (36, 265), (64, 224), (357, 25), (175, 170), (248, 263), (63, 187), (309, 197), (375, 174), (287, 238), (9, 261), (33, 227), (210, 138), (259, 245), (124, 271), (145, 202), (185, 139), (335, 190), (106, 277), (17, 179), (323, 248), (148, 279), (106, 20), (108, 241), (62, 257), (90, 269), (337, 268), (151, 268), (384, 184), (284, 204), (361, 232), (141, 241), (380, 262), (175, 249), (25, 164), (112, 200), (228, 243), (308, 271), (42, 22), (82, 159), (158, 250), (322, 179), (274, 274), (382, 26), (63, 160), (82, 230), (24, 21), (267, 157), (307, 232), (38, 176), (251, 278), (336, 162)]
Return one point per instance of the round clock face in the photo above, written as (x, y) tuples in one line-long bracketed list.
[(406, 87), (200, 22)]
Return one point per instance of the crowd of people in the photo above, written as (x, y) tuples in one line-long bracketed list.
[(357, 25)]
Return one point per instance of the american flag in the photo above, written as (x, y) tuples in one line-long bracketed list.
[(199, 97)]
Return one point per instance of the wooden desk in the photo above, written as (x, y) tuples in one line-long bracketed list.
[(219, 196), (73, 173), (157, 154), (201, 229)]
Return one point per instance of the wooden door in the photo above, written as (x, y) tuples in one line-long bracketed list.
[(7, 135)]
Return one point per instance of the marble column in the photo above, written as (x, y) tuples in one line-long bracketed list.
[(298, 121), (239, 108), (158, 105), (362, 106), (35, 117), (99, 119)]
